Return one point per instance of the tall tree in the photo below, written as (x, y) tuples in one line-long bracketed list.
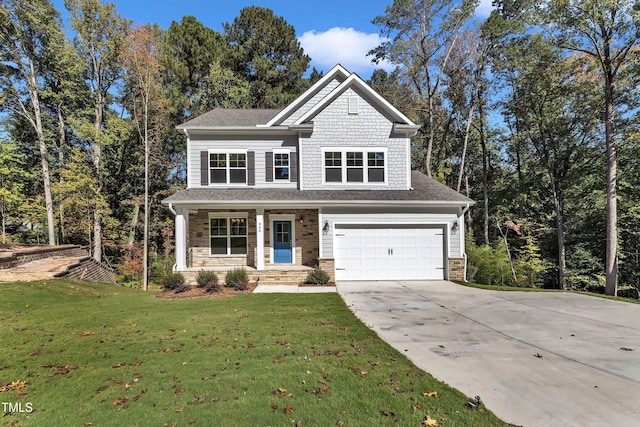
[(140, 59), (31, 41), (268, 55), (607, 31), (100, 33), (421, 35)]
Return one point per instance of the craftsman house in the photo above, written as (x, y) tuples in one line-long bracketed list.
[(326, 181)]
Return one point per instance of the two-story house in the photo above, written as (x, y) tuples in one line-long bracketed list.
[(326, 181)]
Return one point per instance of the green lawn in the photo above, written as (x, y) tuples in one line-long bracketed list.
[(88, 354)]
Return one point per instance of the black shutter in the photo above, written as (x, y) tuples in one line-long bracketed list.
[(204, 168), (268, 161), (251, 168), (293, 165)]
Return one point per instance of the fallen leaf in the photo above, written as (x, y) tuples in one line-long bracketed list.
[(428, 421), (626, 349), (287, 410), (88, 333), (363, 373), (430, 394), (87, 423), (120, 401), (282, 389), (180, 410), (387, 413)]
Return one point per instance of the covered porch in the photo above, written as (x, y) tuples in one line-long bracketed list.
[(272, 244)]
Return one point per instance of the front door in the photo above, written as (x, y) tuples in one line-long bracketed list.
[(282, 252)]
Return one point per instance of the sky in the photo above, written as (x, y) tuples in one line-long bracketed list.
[(330, 31)]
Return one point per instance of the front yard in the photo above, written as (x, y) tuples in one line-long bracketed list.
[(79, 354)]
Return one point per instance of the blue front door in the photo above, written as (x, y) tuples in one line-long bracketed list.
[(282, 242)]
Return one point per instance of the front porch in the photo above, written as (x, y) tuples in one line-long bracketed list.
[(273, 245)]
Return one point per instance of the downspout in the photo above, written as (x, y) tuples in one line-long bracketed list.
[(464, 252)]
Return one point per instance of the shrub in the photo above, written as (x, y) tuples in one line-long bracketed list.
[(205, 279), (628, 292), (181, 288), (237, 279), (317, 276), (172, 281)]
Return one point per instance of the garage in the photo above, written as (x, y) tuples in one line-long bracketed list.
[(389, 252)]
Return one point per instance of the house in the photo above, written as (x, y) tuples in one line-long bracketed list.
[(326, 181)]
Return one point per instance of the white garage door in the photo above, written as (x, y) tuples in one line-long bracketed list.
[(379, 252)]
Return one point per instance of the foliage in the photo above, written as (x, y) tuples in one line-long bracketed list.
[(317, 276), (266, 52), (173, 281), (237, 279), (490, 264), (208, 280)]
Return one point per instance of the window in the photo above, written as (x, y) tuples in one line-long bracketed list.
[(375, 166), (362, 166), (355, 167), (281, 166), (227, 168), (228, 235), (333, 166)]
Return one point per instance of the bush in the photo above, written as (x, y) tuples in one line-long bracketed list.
[(172, 281), (237, 279), (181, 288), (628, 292), (207, 279), (317, 276)]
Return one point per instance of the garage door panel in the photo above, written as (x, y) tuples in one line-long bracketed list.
[(398, 252)]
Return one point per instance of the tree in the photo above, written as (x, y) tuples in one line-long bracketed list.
[(12, 177), (187, 53), (266, 52), (30, 49), (140, 59), (99, 36), (421, 35), (553, 104)]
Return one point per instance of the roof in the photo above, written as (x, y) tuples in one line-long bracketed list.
[(219, 117), (426, 191)]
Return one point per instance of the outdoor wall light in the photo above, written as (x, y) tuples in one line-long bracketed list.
[(325, 227), (301, 219), (454, 227)]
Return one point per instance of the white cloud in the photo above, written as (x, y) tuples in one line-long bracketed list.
[(344, 46), (484, 8)]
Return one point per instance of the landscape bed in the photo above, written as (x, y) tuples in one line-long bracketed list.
[(92, 354)]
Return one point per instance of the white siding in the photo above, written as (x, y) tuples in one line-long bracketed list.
[(335, 127), (330, 86), (260, 145)]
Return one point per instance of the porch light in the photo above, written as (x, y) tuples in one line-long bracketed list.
[(454, 227), (325, 227), (301, 219)]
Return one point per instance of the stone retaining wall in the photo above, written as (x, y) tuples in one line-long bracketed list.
[(34, 254)]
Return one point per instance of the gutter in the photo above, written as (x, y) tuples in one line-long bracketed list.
[(464, 253)]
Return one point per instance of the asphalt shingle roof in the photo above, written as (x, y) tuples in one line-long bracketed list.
[(425, 189), (232, 117)]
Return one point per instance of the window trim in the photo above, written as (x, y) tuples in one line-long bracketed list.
[(365, 165), (228, 168), (228, 216)]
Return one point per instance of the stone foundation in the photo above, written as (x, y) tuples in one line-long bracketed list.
[(328, 265), (456, 268)]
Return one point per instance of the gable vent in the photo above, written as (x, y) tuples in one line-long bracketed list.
[(353, 105)]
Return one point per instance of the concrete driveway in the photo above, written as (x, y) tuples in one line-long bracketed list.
[(535, 359)]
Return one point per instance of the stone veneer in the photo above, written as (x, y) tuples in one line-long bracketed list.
[(456, 268), (305, 239), (328, 265)]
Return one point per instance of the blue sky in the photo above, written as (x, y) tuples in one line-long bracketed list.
[(330, 31)]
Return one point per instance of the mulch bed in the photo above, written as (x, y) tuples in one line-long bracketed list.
[(196, 292)]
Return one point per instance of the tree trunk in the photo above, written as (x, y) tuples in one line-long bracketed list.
[(62, 140), (145, 255), (44, 154), (558, 197), (134, 223), (611, 263), (465, 144), (97, 154), (485, 180)]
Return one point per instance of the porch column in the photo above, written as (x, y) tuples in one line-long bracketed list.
[(260, 239), (181, 240), (320, 232)]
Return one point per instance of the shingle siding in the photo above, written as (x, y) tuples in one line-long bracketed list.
[(335, 127), (312, 101)]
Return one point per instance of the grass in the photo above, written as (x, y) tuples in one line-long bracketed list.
[(533, 289), (89, 354)]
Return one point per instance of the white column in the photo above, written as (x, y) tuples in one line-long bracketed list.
[(181, 240), (320, 232), (260, 239)]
